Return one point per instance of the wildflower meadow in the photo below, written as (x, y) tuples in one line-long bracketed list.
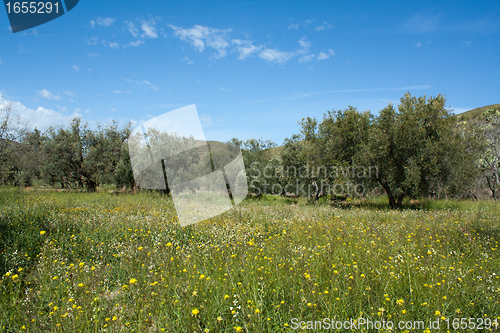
[(94, 262)]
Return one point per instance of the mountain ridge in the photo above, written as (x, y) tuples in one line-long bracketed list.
[(476, 113)]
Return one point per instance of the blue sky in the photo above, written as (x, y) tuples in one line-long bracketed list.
[(253, 68)]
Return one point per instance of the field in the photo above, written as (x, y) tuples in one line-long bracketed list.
[(78, 262)]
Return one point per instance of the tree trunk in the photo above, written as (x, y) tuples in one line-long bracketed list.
[(400, 200), (316, 190), (497, 181), (91, 185), (393, 203), (66, 183), (491, 185)]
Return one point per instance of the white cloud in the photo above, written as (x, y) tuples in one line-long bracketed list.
[(113, 45), (70, 95), (466, 43), (122, 92), (307, 58), (307, 22), (304, 50), (113, 109), (143, 83), (32, 32), (419, 44), (149, 29), (76, 68), (225, 89), (324, 56), (40, 118), (150, 85), (48, 95), (201, 37), (104, 22), (304, 44), (136, 43), (324, 26), (92, 41), (293, 26), (186, 59), (133, 30), (62, 108), (273, 55), (92, 23), (94, 55), (245, 48), (206, 120)]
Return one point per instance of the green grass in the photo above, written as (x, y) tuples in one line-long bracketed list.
[(78, 262)]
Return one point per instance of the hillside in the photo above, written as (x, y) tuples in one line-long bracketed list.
[(476, 113)]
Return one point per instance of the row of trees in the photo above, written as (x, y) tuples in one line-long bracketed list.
[(71, 157), (419, 149)]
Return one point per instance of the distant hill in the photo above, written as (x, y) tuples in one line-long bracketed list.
[(275, 151), (476, 113)]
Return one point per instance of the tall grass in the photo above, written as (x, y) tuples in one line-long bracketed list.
[(75, 262)]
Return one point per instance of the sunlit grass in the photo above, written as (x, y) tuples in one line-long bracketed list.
[(75, 262)]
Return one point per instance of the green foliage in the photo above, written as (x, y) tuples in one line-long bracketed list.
[(256, 158), (489, 160), (293, 158), (344, 136), (414, 150), (124, 175), (12, 132), (80, 156), (418, 150)]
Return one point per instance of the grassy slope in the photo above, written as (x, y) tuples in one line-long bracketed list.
[(476, 113)]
